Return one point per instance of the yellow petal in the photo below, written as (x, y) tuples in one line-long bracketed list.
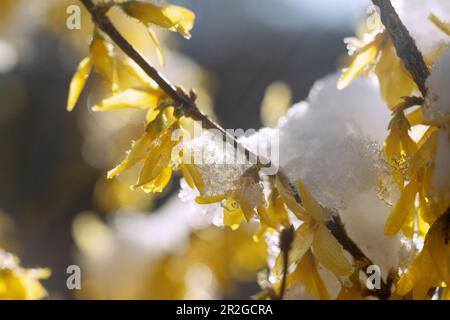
[(232, 214), (362, 60), (445, 294), (329, 252), (307, 274), (277, 212), (392, 149), (395, 81), (245, 206), (103, 59), (158, 47), (424, 157), (196, 177), (157, 160), (423, 214), (408, 225), (420, 277), (416, 117), (438, 239), (187, 176), (312, 207), (210, 200), (130, 98), (137, 153), (159, 184), (78, 82), (151, 115), (140, 75), (284, 190), (404, 207), (171, 17), (264, 217), (275, 215), (445, 27)]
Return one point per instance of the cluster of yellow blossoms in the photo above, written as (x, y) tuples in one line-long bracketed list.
[(420, 208), (153, 151), (412, 163)]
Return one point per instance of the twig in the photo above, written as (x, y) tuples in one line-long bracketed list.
[(190, 109), (286, 239), (405, 45)]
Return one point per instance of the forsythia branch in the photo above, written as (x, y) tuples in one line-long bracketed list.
[(405, 45), (187, 104), (184, 101)]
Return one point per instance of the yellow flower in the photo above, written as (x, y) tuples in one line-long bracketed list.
[(364, 58), (17, 283), (431, 267), (171, 17), (395, 81), (313, 234), (131, 98), (154, 151), (233, 215), (236, 207), (307, 274), (379, 55), (274, 216), (284, 189), (194, 179), (104, 61), (78, 82), (445, 27), (399, 147), (419, 168)]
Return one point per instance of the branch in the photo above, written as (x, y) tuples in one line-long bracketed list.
[(190, 109), (405, 45), (184, 101)]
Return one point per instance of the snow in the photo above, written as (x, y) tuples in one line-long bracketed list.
[(437, 105), (364, 221), (211, 212), (437, 109), (219, 165), (414, 14), (157, 232), (338, 133), (334, 143)]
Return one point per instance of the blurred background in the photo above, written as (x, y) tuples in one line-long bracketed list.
[(56, 206)]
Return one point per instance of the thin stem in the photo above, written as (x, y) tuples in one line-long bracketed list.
[(286, 239), (405, 45)]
